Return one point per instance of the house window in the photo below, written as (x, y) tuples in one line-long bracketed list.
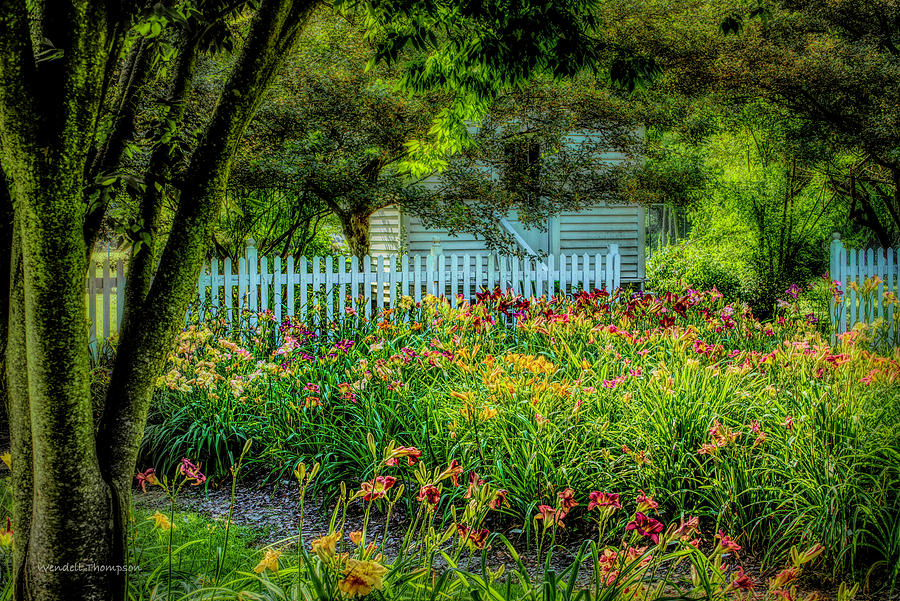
[(522, 169)]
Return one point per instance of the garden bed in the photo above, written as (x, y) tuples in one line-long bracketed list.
[(766, 433)]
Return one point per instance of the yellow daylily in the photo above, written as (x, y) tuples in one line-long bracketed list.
[(162, 521), (361, 578), (324, 546), (7, 459), (269, 562)]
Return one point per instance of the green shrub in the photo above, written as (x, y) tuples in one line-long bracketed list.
[(697, 264)]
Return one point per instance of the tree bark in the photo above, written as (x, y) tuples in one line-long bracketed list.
[(355, 226), (72, 480)]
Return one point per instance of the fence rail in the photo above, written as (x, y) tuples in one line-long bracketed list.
[(334, 284), (850, 268)]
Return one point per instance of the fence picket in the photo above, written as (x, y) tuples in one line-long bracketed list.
[(229, 289), (366, 277), (120, 291), (253, 282), (893, 283), (263, 284), (380, 268), (316, 279), (442, 275), (277, 282)]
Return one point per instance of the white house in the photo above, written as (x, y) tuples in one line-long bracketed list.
[(394, 231)]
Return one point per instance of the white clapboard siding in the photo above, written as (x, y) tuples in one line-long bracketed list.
[(589, 231), (858, 265), (335, 286)]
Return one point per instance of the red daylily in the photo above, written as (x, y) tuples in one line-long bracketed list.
[(377, 488), (726, 545), (411, 453), (607, 502), (567, 499), (740, 581), (498, 499), (784, 578), (645, 526), (645, 502), (634, 553), (146, 477), (430, 494), (453, 471), (688, 527), (191, 472), (473, 538), (474, 483), (551, 516)]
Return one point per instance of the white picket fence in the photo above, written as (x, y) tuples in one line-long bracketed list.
[(852, 265), (335, 285)]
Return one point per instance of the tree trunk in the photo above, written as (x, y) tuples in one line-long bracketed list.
[(355, 227), (72, 478)]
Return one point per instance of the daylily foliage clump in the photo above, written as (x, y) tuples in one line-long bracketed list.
[(562, 409)]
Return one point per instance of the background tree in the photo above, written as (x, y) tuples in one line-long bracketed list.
[(335, 133), (538, 151), (830, 67)]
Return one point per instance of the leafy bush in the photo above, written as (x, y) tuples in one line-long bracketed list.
[(697, 264)]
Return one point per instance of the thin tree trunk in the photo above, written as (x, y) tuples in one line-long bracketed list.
[(355, 226)]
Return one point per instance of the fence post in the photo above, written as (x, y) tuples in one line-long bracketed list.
[(835, 269), (253, 280)]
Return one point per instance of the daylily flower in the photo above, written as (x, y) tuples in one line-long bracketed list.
[(268, 562), (324, 547), (474, 539), (355, 537), (6, 458), (191, 472), (645, 502), (430, 494), (740, 581), (687, 527), (551, 516), (453, 472), (784, 578), (635, 553), (474, 483), (607, 502), (567, 499), (726, 545), (146, 477), (377, 488), (361, 577), (412, 454), (498, 499), (645, 526), (789, 422), (162, 521)]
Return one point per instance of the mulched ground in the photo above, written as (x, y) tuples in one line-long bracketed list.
[(274, 512)]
